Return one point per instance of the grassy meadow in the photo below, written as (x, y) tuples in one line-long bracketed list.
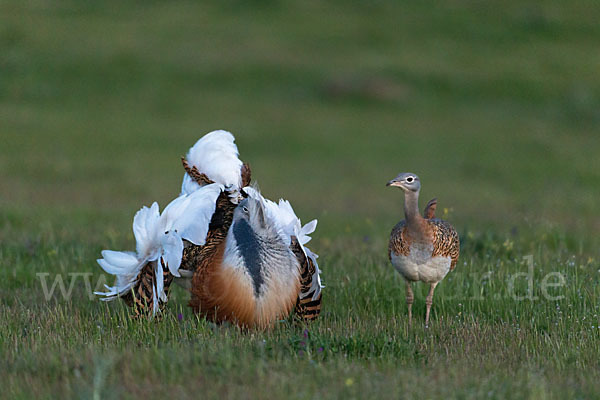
[(496, 105)]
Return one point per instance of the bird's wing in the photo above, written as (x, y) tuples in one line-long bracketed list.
[(308, 303), (203, 260), (289, 226), (142, 296), (144, 278), (429, 212), (187, 217), (189, 184), (445, 241), (145, 225), (118, 262), (138, 278), (125, 266), (399, 241), (216, 156), (283, 216), (292, 228), (192, 218), (246, 175)]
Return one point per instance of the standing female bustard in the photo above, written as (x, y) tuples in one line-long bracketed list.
[(421, 249)]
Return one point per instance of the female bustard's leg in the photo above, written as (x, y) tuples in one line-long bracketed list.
[(429, 302), (409, 301)]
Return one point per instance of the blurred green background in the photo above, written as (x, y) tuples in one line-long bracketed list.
[(495, 104)]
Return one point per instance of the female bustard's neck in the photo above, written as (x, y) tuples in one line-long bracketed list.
[(414, 220), (411, 206)]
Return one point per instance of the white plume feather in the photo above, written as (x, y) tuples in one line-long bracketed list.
[(215, 155), (288, 225), (125, 266), (159, 239), (188, 185), (144, 225), (198, 214)]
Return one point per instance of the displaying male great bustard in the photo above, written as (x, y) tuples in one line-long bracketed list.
[(242, 257), (262, 270), (421, 248)]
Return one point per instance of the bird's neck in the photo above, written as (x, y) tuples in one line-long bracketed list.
[(414, 220)]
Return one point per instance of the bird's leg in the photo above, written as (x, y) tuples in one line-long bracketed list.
[(409, 301), (429, 302)]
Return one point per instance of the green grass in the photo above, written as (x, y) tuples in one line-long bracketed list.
[(495, 105)]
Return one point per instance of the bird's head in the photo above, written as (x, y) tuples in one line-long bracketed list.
[(407, 181), (252, 211)]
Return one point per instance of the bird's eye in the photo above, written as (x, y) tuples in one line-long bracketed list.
[(410, 179), (245, 209)]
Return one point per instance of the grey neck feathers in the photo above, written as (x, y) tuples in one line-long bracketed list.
[(411, 206), (411, 212)]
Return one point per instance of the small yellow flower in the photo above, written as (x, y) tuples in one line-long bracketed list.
[(349, 382), (447, 212), (508, 244)]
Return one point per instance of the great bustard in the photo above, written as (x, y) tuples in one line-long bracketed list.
[(217, 239), (421, 248)]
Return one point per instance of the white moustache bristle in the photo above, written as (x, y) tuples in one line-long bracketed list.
[(216, 156)]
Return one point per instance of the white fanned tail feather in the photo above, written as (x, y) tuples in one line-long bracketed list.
[(159, 237), (290, 225), (216, 156)]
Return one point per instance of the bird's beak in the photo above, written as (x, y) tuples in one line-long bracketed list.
[(394, 182)]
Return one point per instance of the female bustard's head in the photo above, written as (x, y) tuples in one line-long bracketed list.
[(407, 181)]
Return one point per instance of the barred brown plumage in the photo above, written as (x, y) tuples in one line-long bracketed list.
[(196, 175), (140, 297), (204, 259), (202, 179), (399, 242), (429, 212), (306, 308), (445, 241), (421, 248)]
